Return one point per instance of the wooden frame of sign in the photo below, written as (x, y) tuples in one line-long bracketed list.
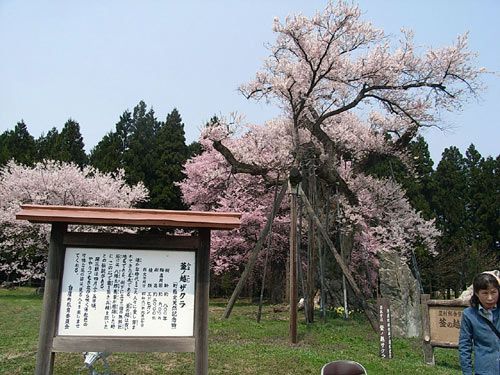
[(196, 340), (441, 324)]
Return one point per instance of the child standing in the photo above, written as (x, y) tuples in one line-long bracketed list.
[(477, 329)]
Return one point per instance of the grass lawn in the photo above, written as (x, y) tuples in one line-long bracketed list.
[(238, 345)]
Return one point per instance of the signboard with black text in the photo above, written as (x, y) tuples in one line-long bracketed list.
[(125, 292)]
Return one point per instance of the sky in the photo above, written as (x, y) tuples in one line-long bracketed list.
[(92, 60)]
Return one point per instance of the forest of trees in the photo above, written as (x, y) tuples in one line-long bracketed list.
[(460, 193), (147, 149)]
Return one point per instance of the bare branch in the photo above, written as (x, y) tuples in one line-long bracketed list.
[(238, 166)]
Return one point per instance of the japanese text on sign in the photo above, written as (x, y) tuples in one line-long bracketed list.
[(445, 323), (385, 329), (124, 292)]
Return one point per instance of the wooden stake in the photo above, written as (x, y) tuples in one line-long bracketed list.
[(293, 268), (201, 303), (255, 252)]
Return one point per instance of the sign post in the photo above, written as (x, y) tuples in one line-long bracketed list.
[(110, 292), (385, 330), (441, 324), (45, 355)]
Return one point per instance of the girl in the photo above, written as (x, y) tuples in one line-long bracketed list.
[(477, 333)]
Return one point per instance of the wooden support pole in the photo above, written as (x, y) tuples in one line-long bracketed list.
[(426, 328), (55, 262), (201, 303), (340, 261), (255, 252), (293, 269)]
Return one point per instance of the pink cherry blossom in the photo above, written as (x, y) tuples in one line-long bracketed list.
[(23, 246)]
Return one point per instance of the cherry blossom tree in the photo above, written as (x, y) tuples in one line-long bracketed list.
[(212, 186), (23, 246), (350, 96)]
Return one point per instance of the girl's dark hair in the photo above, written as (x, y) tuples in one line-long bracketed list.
[(482, 281)]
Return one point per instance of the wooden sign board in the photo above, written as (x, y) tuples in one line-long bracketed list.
[(441, 324), (108, 292)]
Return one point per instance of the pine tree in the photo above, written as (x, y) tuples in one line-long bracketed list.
[(449, 204), (418, 183), (70, 146), (47, 145), (17, 144), (108, 155), (489, 208), (140, 158), (194, 149), (482, 210), (172, 154)]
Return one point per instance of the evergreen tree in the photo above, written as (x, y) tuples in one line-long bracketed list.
[(148, 150), (418, 183), (194, 149), (475, 186), (483, 208), (172, 154), (140, 157), (47, 145), (17, 144), (70, 146), (4, 151), (489, 207), (108, 154), (449, 204)]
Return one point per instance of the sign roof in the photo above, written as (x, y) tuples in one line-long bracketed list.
[(129, 217)]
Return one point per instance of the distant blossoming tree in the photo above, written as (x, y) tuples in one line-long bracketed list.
[(350, 96), (23, 246)]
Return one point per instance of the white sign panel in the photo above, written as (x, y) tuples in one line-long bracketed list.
[(125, 292)]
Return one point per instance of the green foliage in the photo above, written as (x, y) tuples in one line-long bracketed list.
[(465, 200), (67, 146), (47, 145), (70, 146), (482, 186), (17, 144), (172, 154), (140, 156), (194, 149), (238, 345), (108, 154), (150, 151)]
